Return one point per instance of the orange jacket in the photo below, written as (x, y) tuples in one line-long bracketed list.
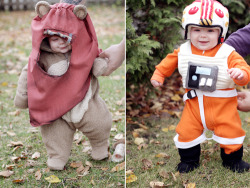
[(170, 63)]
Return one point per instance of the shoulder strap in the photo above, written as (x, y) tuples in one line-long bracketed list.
[(225, 50), (185, 48)]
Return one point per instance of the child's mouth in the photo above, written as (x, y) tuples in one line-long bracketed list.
[(203, 42)]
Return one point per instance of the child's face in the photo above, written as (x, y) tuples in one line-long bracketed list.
[(204, 38), (59, 45)]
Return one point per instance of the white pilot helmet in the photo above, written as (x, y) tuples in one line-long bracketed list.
[(206, 13)]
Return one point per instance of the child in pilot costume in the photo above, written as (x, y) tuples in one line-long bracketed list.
[(61, 89), (209, 71)]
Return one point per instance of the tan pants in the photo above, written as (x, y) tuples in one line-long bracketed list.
[(95, 124)]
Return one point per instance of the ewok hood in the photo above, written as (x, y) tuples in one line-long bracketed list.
[(50, 97)]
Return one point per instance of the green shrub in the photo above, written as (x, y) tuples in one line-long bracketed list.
[(153, 30)]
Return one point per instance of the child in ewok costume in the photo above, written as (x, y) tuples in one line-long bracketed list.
[(207, 68), (59, 89)]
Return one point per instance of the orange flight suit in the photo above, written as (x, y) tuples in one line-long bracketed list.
[(221, 113)]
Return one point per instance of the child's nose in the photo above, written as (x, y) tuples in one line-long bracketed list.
[(62, 41), (203, 34)]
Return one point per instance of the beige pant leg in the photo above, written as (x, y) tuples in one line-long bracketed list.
[(96, 125), (57, 137)]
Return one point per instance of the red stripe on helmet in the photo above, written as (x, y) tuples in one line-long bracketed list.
[(202, 8), (211, 9)]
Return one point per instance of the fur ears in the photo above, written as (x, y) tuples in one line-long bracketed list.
[(80, 11), (43, 7)]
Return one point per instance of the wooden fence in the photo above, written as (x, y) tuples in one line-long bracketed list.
[(30, 4)]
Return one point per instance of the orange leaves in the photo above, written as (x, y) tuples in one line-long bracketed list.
[(144, 101)]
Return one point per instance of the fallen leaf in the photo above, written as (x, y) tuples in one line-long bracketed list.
[(4, 84), (76, 164), (156, 184), (11, 133), (89, 164), (142, 146), (53, 179), (80, 169), (118, 167), (113, 129), (118, 136), (161, 163), (18, 181), (190, 185), (165, 129), (104, 168), (10, 167), (143, 126), (117, 119), (6, 174), (134, 112), (247, 120), (164, 174), (135, 134), (31, 170), (15, 159), (15, 113), (18, 143), (162, 155), (87, 149), (78, 138), (119, 103), (36, 155), (147, 164), (84, 171), (38, 175), (138, 141), (15, 148), (157, 106), (117, 113), (131, 178), (176, 97), (31, 163), (172, 127), (92, 181), (175, 175)]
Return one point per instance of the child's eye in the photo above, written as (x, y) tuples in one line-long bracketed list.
[(210, 30)]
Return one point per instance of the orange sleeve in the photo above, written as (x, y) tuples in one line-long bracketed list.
[(236, 61), (158, 76), (166, 67)]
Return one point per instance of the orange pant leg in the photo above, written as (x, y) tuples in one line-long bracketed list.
[(223, 118), (190, 126)]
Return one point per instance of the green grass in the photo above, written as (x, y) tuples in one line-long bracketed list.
[(211, 173), (15, 46)]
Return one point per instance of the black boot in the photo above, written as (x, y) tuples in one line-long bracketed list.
[(233, 161), (189, 159)]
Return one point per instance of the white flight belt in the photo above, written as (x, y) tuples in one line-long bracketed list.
[(202, 138)]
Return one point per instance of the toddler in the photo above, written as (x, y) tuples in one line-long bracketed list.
[(59, 84), (209, 70)]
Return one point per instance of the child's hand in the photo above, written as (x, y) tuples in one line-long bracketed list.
[(244, 101), (156, 83), (236, 73)]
